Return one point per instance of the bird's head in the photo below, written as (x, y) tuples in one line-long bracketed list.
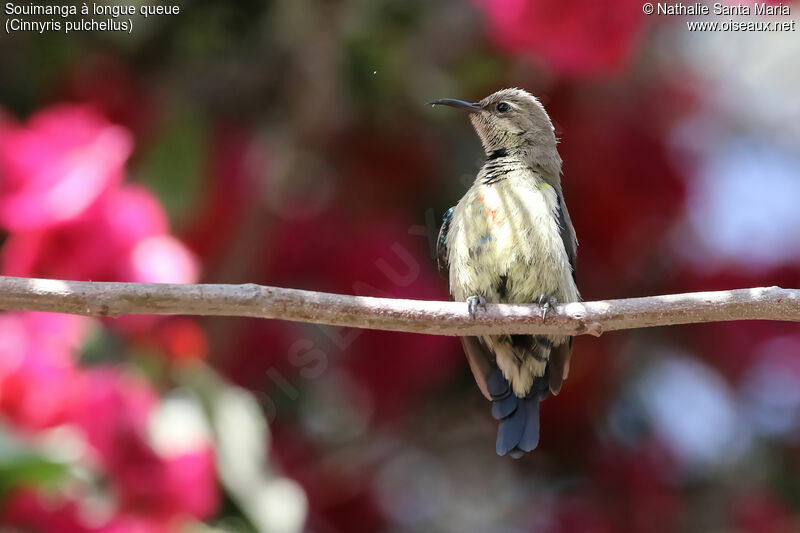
[(508, 119)]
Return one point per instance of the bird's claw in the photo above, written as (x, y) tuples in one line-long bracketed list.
[(475, 302), (546, 303)]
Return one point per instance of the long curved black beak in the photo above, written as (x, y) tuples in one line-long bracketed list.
[(461, 104)]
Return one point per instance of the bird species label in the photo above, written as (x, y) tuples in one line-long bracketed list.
[(41, 18)]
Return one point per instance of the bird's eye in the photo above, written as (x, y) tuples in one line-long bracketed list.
[(502, 107)]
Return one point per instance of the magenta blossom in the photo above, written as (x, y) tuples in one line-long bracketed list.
[(123, 237), (36, 355), (113, 412), (572, 37), (67, 212), (56, 167)]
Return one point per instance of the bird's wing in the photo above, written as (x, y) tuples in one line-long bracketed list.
[(478, 357), (559, 365), (441, 244), (568, 236), (560, 356), (480, 362)]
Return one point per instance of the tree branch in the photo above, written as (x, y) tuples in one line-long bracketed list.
[(416, 316)]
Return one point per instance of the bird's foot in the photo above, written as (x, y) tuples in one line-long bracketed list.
[(475, 302), (546, 302)]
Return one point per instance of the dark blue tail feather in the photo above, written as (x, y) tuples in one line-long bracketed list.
[(503, 400), (518, 431)]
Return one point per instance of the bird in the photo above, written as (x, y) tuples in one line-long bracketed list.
[(510, 239)]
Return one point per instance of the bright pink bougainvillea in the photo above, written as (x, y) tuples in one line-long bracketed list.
[(68, 215), (55, 167), (572, 37)]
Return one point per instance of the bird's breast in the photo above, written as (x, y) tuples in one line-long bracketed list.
[(505, 243)]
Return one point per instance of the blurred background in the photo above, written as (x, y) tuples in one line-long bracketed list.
[(288, 143)]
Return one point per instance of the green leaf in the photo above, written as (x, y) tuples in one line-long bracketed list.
[(22, 465)]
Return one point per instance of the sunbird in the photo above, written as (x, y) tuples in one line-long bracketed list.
[(510, 239)]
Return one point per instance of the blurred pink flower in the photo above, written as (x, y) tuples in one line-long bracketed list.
[(138, 524), (36, 355), (107, 406), (162, 259), (27, 510), (113, 411), (152, 492), (123, 237), (180, 338), (56, 167), (573, 37), (68, 215)]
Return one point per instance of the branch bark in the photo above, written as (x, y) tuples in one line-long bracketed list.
[(415, 316)]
